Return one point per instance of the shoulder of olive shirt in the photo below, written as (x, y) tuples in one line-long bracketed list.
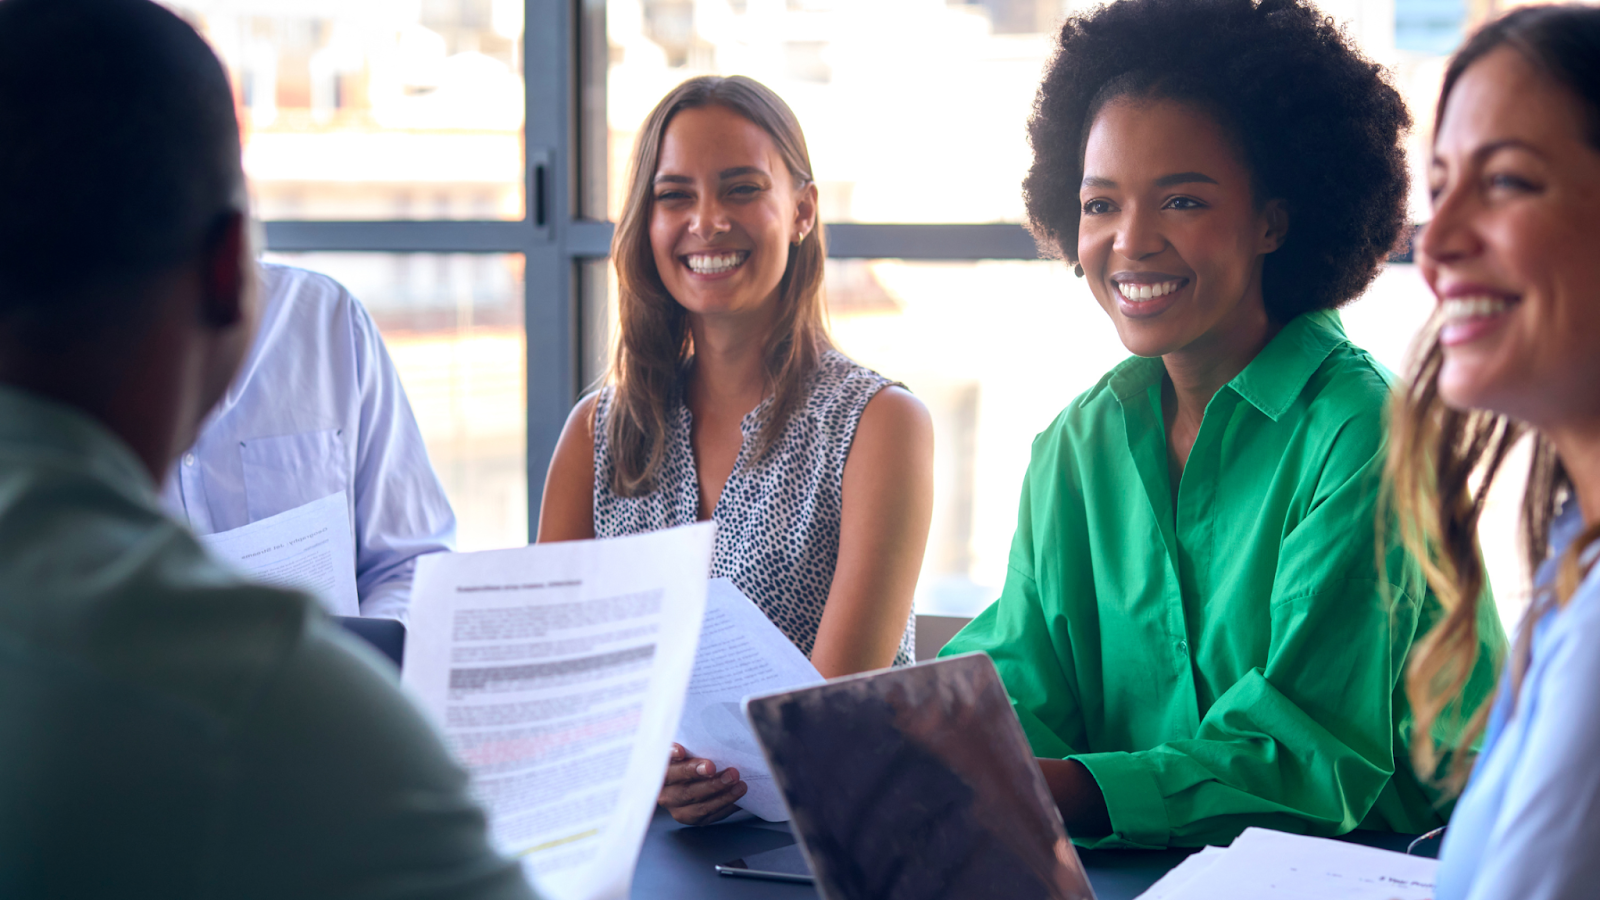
[(168, 729)]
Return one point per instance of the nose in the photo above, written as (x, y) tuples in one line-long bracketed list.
[(708, 219), (1450, 235), (1138, 234)]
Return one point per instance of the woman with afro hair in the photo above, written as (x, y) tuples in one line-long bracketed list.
[(1196, 631)]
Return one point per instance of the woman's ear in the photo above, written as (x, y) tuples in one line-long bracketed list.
[(1275, 215), (805, 212)]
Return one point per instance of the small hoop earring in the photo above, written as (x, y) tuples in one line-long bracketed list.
[(1077, 269)]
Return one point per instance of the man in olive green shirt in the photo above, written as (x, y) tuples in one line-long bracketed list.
[(1232, 658), (167, 729)]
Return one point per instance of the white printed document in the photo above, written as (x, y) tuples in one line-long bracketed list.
[(741, 653), (557, 672), (1273, 865), (309, 548)]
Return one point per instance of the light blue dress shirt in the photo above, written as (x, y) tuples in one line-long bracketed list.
[(1528, 825), (318, 408)]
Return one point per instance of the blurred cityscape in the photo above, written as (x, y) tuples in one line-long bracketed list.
[(914, 111)]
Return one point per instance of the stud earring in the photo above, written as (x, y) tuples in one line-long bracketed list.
[(1077, 269)]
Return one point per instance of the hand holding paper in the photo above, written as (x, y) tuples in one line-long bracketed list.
[(741, 653)]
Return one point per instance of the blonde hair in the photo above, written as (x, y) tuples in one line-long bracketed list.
[(1436, 451), (1442, 463), (654, 344)]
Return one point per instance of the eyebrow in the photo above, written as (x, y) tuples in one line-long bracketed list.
[(724, 175), (1488, 150), (1184, 178), (1491, 148), (1176, 178)]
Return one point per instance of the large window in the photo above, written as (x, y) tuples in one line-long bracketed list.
[(386, 145), (381, 110), (458, 163), (914, 112)]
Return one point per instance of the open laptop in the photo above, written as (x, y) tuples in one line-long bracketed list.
[(916, 783)]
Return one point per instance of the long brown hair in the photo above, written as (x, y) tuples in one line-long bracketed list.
[(654, 346), (1443, 461)]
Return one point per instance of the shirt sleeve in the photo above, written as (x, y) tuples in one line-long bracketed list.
[(1304, 743), (401, 511), (337, 771), (1022, 635), (1542, 839)]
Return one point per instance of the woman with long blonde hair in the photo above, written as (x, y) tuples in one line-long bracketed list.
[(1514, 352), (726, 400)]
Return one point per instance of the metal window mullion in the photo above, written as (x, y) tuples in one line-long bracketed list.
[(397, 237), (549, 46)]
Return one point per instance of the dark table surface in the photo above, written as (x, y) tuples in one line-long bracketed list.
[(677, 862)]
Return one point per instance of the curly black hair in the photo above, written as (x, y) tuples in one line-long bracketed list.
[(1318, 124)]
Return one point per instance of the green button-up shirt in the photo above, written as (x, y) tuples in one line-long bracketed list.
[(1234, 659)]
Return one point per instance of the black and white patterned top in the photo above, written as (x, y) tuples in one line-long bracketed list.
[(778, 518)]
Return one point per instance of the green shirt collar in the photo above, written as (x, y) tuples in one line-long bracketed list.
[(1280, 371), (33, 426), (1271, 381)]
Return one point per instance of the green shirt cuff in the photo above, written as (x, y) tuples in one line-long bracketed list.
[(1138, 811)]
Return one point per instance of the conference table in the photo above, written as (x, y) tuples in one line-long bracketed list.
[(677, 862)]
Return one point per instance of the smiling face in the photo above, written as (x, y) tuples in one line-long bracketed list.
[(1170, 237), (1511, 251), (724, 213)]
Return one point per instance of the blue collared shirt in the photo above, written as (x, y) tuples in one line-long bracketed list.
[(318, 408), (1528, 825)]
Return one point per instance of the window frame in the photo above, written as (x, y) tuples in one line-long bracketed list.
[(556, 235)]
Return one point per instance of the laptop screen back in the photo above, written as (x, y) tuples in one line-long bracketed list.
[(917, 783)]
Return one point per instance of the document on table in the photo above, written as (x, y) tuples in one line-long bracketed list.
[(557, 672), (309, 548), (741, 653), (1268, 865)]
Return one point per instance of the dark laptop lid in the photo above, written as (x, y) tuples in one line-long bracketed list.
[(387, 635), (917, 783)]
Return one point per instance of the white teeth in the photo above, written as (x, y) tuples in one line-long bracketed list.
[(713, 263), (1138, 292), (1458, 309)]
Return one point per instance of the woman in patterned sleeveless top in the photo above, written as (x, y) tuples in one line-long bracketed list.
[(726, 400)]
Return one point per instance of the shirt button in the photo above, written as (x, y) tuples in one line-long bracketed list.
[(188, 459), (1183, 646)]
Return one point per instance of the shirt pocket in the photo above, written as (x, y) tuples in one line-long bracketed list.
[(289, 471)]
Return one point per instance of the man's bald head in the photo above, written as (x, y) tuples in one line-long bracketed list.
[(119, 157)]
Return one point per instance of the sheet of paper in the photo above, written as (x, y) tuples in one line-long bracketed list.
[(557, 673), (1269, 865), (310, 548), (741, 653), (1182, 874)]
